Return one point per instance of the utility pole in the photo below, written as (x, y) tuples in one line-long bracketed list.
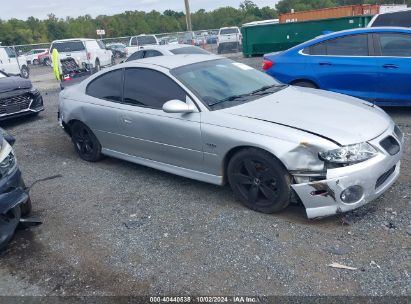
[(188, 16)]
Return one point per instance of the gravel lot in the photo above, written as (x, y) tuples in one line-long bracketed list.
[(115, 228)]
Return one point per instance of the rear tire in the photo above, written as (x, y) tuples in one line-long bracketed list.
[(97, 66), (35, 62), (259, 180), (305, 84), (85, 142), (25, 72)]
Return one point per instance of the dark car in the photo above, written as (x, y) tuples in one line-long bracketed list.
[(15, 201), (118, 49), (18, 97)]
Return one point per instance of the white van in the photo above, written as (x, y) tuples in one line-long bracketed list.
[(12, 64), (87, 51)]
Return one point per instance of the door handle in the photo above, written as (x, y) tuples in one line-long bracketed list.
[(126, 120), (325, 63), (390, 66)]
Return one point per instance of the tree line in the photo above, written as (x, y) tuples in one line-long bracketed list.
[(34, 30)]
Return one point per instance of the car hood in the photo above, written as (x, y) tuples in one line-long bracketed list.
[(339, 118), (8, 84)]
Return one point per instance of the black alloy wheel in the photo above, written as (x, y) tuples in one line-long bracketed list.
[(259, 181), (85, 142)]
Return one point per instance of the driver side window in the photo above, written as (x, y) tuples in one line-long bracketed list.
[(149, 88)]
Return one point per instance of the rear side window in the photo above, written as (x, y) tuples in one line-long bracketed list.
[(152, 53), (402, 19), (68, 46), (355, 45), (108, 86), (150, 89), (229, 31), (133, 41), (395, 45), (189, 50), (135, 56), (145, 40)]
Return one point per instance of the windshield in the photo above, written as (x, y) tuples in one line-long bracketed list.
[(402, 19), (189, 50), (68, 46), (229, 31), (144, 40), (225, 83)]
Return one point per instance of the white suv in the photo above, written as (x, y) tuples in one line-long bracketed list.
[(12, 64), (87, 51), (229, 38)]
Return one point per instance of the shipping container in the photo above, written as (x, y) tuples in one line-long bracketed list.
[(273, 37), (331, 12)]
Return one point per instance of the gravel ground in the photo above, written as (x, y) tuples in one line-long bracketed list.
[(115, 228)]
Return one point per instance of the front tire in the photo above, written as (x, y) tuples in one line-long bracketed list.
[(259, 180), (85, 142)]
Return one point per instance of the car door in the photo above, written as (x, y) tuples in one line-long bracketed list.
[(344, 65), (102, 108), (393, 59), (147, 131)]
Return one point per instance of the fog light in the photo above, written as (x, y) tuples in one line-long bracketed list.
[(352, 194)]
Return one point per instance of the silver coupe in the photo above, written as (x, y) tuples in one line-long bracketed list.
[(215, 120)]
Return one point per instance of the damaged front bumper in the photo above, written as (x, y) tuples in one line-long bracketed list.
[(12, 195), (373, 177)]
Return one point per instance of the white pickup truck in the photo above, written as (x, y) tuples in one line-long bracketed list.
[(84, 51), (12, 64), (229, 38), (136, 43)]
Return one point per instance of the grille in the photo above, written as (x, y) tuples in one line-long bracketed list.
[(14, 104), (391, 145), (382, 179)]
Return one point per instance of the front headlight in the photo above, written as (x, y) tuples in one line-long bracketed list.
[(349, 154), (7, 165)]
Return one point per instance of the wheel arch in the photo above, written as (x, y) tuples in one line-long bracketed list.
[(233, 151), (302, 79)]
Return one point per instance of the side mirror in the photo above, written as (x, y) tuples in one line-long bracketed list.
[(178, 106)]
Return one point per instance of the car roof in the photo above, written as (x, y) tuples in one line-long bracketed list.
[(73, 39), (167, 47), (177, 60)]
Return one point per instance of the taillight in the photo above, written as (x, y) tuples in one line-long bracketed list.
[(267, 64), (88, 56)]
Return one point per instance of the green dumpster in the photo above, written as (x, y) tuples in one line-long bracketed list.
[(272, 37)]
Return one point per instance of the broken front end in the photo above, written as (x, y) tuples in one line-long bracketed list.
[(353, 175)]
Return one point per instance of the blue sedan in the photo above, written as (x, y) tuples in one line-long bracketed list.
[(369, 63)]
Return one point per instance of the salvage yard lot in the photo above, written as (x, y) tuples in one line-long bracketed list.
[(116, 228)]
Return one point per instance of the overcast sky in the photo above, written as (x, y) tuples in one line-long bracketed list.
[(21, 9)]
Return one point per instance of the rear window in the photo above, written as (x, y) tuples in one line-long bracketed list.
[(402, 19), (189, 50), (144, 40), (229, 31), (68, 46)]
